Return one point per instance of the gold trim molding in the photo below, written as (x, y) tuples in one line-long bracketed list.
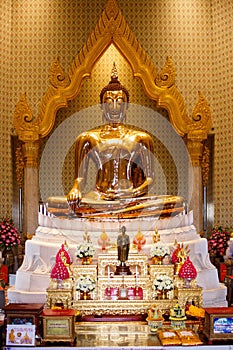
[(112, 28)]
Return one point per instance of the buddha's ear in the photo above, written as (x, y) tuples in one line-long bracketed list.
[(102, 106), (104, 119)]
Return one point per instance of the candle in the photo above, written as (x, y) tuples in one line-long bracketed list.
[(136, 275), (108, 276), (0, 254)]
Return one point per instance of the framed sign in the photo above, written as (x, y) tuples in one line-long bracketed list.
[(58, 325), (223, 325), (20, 335), (218, 323)]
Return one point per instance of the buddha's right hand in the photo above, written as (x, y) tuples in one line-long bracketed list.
[(74, 197)]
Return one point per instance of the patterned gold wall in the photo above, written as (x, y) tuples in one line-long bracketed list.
[(5, 109), (196, 34), (222, 106)]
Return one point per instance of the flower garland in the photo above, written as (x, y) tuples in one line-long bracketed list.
[(85, 249), (218, 241), (85, 284), (163, 282), (159, 249), (9, 235)]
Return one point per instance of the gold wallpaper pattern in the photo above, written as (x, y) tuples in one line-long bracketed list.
[(196, 34), (222, 107), (5, 110)]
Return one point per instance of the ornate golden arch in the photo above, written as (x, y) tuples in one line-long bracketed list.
[(111, 28)]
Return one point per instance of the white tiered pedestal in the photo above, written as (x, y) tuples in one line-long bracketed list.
[(33, 277)]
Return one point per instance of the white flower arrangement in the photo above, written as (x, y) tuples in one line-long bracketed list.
[(85, 249), (159, 249), (85, 284), (163, 282)]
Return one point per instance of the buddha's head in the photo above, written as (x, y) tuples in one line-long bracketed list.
[(123, 230), (114, 99)]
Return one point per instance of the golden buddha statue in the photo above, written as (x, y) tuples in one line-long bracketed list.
[(124, 159)]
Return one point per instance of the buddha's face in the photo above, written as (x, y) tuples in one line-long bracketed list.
[(114, 106)]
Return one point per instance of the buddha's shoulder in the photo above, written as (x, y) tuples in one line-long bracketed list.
[(89, 134), (140, 134)]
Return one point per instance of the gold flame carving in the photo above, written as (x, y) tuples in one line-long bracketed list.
[(57, 76), (201, 116), (167, 76)]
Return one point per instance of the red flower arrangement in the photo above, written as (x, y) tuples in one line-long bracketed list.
[(218, 241), (188, 270), (9, 235), (61, 270)]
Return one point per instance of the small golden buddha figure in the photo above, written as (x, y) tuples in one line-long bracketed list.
[(156, 236), (104, 240), (86, 236), (124, 160)]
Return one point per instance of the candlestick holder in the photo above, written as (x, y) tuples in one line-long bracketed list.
[(108, 294), (137, 296), (123, 291)]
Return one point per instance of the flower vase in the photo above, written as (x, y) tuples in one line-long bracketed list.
[(162, 294), (177, 268), (9, 260), (85, 295), (87, 260), (14, 250), (59, 284), (157, 260), (187, 282), (16, 264)]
